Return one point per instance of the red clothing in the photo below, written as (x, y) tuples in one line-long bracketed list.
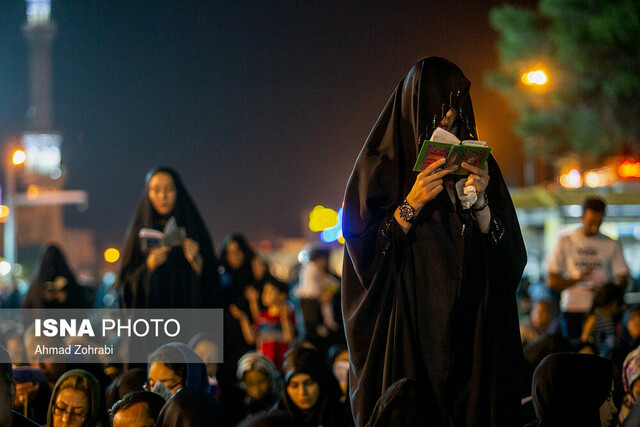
[(270, 336)]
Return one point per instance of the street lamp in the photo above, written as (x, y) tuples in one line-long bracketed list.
[(10, 242), (537, 77)]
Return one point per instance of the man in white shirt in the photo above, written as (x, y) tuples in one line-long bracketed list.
[(581, 263)]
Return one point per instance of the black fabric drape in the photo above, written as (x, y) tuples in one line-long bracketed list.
[(437, 304), (174, 283)]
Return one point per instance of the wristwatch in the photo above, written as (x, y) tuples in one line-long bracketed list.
[(407, 212), (483, 205)]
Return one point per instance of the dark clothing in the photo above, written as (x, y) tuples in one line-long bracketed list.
[(327, 411), (437, 304), (569, 388), (20, 421), (54, 277), (173, 284), (190, 408)]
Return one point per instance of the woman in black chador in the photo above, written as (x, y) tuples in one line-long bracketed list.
[(428, 286), (54, 285), (182, 274)]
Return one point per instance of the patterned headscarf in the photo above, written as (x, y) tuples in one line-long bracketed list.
[(631, 369)]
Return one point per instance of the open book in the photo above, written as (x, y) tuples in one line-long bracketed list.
[(447, 145), (172, 235)]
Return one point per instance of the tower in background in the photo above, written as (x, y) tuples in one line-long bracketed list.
[(39, 196)]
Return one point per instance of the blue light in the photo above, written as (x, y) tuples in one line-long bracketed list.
[(333, 233)]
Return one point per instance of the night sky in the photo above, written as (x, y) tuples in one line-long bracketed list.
[(261, 106)]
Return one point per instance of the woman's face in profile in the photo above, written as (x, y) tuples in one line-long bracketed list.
[(162, 193)]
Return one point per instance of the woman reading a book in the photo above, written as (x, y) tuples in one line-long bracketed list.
[(429, 286), (178, 271)]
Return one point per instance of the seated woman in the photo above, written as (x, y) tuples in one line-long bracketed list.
[(175, 366), (261, 383), (179, 270), (311, 393), (76, 401)]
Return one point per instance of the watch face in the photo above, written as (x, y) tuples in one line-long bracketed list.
[(406, 212)]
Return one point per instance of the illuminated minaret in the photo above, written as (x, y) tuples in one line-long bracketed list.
[(41, 144), (40, 200), (40, 222)]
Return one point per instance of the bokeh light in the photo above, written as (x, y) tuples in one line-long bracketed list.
[(111, 255), (322, 218), (537, 77), (19, 157)]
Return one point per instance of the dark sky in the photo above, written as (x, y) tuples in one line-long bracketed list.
[(261, 106)]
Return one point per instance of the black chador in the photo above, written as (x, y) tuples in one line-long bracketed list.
[(436, 304)]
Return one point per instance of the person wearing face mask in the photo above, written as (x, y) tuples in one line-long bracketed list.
[(174, 366), (429, 284), (182, 274)]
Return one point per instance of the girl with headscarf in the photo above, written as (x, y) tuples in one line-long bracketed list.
[(181, 275), (261, 382), (630, 383), (428, 286), (311, 393), (242, 276), (76, 401), (571, 389), (54, 285), (175, 366)]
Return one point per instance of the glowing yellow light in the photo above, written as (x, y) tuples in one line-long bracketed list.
[(19, 157), (111, 255), (592, 179), (322, 218), (537, 77), (4, 212), (571, 180), (32, 192), (629, 169)]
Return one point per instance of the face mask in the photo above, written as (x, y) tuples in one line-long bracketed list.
[(162, 390), (341, 372)]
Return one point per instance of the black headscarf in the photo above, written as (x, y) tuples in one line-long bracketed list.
[(174, 283), (235, 280), (53, 265), (304, 359), (569, 388), (191, 408), (436, 304)]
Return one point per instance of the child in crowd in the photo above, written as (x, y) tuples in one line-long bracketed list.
[(600, 328), (538, 322), (273, 328)]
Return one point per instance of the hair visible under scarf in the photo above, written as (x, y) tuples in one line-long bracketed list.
[(196, 370)]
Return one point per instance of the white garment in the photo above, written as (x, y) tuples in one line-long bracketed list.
[(575, 253)]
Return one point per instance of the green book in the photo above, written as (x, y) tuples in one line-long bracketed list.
[(453, 150)]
